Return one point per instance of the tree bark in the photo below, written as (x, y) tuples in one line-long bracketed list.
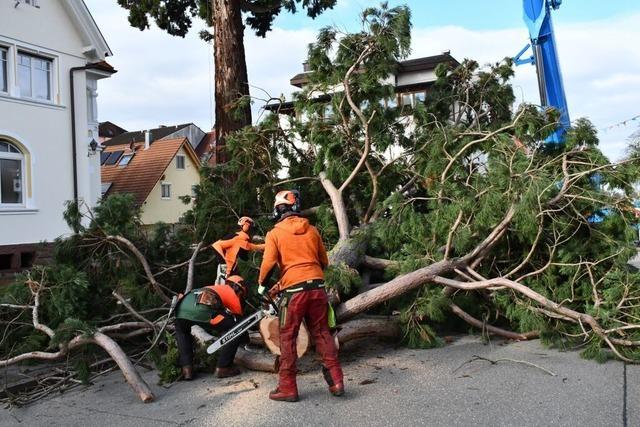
[(370, 326), (231, 79), (130, 374), (396, 287)]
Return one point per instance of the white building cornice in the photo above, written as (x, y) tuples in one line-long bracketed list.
[(96, 46)]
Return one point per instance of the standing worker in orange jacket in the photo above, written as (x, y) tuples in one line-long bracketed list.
[(234, 246), (296, 248), (216, 309)]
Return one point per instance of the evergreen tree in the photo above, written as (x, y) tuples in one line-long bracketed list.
[(232, 109)]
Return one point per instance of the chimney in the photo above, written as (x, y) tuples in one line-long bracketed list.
[(147, 139), (305, 66)]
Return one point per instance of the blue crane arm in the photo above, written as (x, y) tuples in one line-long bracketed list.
[(537, 16)]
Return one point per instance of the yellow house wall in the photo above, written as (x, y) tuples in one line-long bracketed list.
[(155, 208)]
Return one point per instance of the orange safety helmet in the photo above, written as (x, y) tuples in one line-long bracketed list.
[(237, 284), (246, 221)]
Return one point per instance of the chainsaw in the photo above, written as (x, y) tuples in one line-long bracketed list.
[(270, 309)]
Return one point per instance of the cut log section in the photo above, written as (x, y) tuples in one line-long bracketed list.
[(270, 332)]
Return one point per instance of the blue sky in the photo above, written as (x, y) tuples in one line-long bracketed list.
[(168, 80), (471, 14)]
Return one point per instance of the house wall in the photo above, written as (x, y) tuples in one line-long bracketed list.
[(192, 132), (415, 77), (155, 208), (43, 129)]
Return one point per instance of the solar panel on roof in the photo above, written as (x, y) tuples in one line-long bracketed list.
[(114, 157), (104, 156)]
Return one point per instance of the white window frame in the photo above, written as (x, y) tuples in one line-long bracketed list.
[(412, 96), (52, 63), (128, 157), (6, 69), (184, 162), (164, 185), (15, 156)]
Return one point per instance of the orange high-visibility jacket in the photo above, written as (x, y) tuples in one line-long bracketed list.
[(296, 247), (189, 308), (234, 246), (229, 299)]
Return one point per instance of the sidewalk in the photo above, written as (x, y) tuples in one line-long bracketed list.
[(385, 387)]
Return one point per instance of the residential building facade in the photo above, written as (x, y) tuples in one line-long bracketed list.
[(412, 81), (52, 56), (157, 173)]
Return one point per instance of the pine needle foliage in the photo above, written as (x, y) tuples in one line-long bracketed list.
[(440, 176)]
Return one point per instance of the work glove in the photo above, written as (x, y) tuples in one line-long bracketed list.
[(262, 290)]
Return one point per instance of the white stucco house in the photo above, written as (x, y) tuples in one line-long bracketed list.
[(52, 55)]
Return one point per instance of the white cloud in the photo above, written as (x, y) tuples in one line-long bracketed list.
[(167, 80), (599, 60)]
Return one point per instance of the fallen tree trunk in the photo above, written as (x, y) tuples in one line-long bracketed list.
[(396, 287), (379, 327)]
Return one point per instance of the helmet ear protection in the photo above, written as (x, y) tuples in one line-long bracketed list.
[(286, 201)]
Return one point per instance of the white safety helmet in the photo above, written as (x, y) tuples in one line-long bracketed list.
[(285, 201)]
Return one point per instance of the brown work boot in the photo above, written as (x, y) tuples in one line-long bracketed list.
[(186, 373), (284, 395), (337, 389), (231, 371)]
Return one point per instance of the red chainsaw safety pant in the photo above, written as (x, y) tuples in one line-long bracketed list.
[(310, 306)]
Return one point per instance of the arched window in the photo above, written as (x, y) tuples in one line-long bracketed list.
[(12, 170)]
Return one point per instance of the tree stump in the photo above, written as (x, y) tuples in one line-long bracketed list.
[(270, 332)]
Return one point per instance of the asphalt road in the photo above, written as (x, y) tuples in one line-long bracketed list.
[(448, 386)]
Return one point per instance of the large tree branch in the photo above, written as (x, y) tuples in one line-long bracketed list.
[(339, 208), (131, 310), (377, 263), (545, 302), (490, 328), (130, 374), (191, 268), (358, 112), (407, 282)]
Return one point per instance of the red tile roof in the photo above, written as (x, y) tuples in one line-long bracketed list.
[(145, 168), (206, 150)]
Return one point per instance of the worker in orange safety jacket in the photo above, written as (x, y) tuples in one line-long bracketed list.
[(296, 247), (216, 309), (234, 246)]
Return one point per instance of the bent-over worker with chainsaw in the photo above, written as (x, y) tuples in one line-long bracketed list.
[(216, 309), (234, 246), (296, 247)]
